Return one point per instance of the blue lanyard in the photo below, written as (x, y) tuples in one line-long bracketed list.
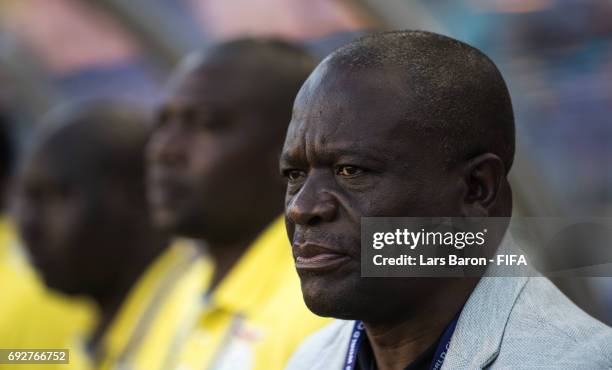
[(443, 345), (351, 355), (359, 331)]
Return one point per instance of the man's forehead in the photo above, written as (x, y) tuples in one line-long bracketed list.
[(337, 104), (360, 92), (324, 140), (213, 85), (318, 149)]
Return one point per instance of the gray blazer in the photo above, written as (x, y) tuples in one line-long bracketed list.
[(507, 323)]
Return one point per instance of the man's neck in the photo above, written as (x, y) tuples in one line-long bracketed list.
[(111, 303), (397, 343), (226, 255), (395, 347)]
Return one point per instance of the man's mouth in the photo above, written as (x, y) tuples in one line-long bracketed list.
[(319, 258)]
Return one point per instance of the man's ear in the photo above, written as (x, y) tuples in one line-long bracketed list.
[(484, 177)]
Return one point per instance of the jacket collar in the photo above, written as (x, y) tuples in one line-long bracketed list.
[(478, 335), (258, 274)]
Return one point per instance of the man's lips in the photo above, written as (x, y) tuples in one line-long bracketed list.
[(314, 257)]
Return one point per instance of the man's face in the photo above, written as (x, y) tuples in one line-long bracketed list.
[(53, 217), (205, 155), (350, 153)]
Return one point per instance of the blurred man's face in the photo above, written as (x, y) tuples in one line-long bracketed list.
[(205, 155), (54, 220), (349, 153)]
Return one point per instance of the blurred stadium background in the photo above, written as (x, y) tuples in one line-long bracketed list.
[(555, 54)]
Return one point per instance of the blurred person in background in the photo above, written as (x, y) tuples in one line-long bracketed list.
[(82, 213), (213, 176), (17, 280), (6, 158), (11, 259), (26, 305)]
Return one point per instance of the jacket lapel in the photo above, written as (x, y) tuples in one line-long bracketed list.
[(478, 335)]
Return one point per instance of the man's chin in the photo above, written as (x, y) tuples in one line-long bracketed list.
[(189, 227), (323, 300), (336, 307), (169, 221), (64, 285)]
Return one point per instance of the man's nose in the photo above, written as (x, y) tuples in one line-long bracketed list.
[(166, 146), (311, 206)]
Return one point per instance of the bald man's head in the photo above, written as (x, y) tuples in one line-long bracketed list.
[(213, 155), (95, 144), (450, 92), (260, 74), (81, 196)]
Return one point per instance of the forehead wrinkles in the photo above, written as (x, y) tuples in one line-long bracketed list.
[(316, 122), (294, 142)]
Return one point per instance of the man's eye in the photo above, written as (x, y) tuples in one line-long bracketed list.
[(348, 171), (294, 175)]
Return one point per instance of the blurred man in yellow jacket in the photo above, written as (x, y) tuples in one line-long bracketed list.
[(31, 316), (16, 278), (213, 176), (82, 212)]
